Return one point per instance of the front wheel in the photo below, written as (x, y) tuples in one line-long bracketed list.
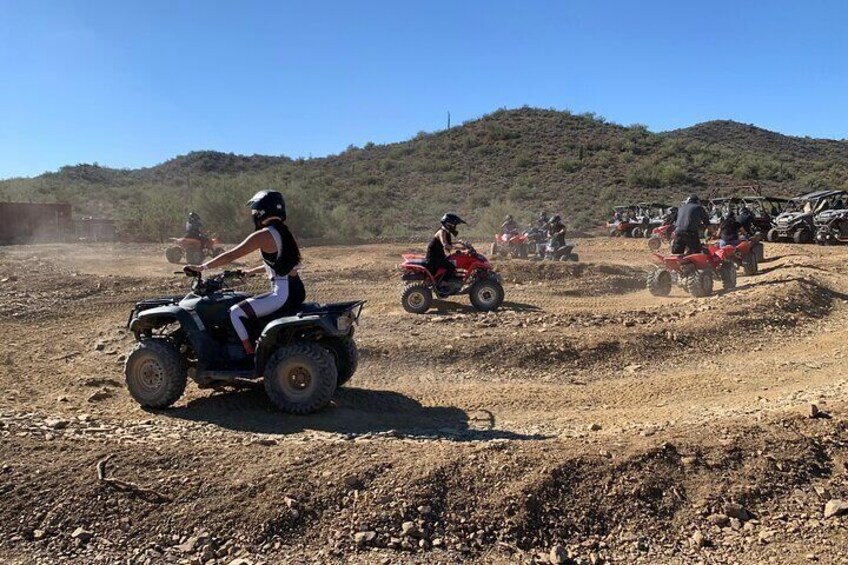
[(803, 236), (751, 265), (728, 276), (301, 378), (654, 243), (773, 235), (155, 373), (760, 252), (522, 251), (174, 254), (416, 298), (636, 233), (486, 295)]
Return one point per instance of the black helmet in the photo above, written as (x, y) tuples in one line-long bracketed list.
[(267, 204), (693, 199), (556, 218), (193, 216), (450, 221)]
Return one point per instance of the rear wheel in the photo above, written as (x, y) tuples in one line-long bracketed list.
[(301, 378), (659, 282), (773, 235), (751, 266), (346, 354), (174, 254), (728, 276), (522, 251), (416, 298), (486, 295), (155, 373), (636, 232)]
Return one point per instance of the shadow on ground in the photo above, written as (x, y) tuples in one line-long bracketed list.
[(353, 411)]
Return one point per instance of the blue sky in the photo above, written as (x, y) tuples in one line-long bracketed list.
[(133, 83)]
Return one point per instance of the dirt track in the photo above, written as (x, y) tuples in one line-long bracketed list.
[(586, 413)]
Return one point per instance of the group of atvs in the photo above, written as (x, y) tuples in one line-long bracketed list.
[(533, 243), (696, 273), (820, 217)]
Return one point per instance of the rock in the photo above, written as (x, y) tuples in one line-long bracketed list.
[(720, 520), (363, 538), (811, 557), (56, 423), (408, 529), (100, 395), (189, 545), (594, 427), (698, 539), (353, 482), (766, 535), (595, 559), (558, 555), (266, 441), (99, 346), (240, 561), (38, 534), (425, 509), (835, 507), (736, 524), (737, 511), (688, 461), (809, 410), (82, 534)]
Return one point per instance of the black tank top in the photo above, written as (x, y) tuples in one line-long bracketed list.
[(288, 253), (435, 250)]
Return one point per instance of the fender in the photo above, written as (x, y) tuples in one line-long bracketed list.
[(189, 321), (282, 329)]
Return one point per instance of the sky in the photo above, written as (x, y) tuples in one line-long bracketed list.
[(136, 82)]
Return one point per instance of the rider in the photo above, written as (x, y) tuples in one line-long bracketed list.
[(281, 261), (556, 231), (542, 220), (194, 229), (746, 219), (670, 216), (729, 230), (509, 225), (691, 221), (442, 244)]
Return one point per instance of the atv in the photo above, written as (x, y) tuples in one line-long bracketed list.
[(663, 233), (747, 253), (301, 356), (694, 273), (553, 251), (474, 276), (537, 240), (513, 244), (194, 249)]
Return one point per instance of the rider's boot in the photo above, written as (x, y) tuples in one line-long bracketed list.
[(248, 347)]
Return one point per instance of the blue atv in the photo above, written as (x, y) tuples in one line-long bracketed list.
[(301, 356)]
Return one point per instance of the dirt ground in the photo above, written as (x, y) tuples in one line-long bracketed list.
[(587, 421)]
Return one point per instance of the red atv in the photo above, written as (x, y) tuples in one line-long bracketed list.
[(474, 276), (694, 273), (512, 244), (195, 249), (664, 233), (746, 253)]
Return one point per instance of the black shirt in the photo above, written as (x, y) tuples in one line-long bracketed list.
[(691, 218), (730, 230)]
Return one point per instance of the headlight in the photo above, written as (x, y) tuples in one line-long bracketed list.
[(344, 322)]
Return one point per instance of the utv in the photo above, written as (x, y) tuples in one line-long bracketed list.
[(797, 222), (832, 227), (302, 356)]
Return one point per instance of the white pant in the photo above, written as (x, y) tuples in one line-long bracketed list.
[(259, 305)]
